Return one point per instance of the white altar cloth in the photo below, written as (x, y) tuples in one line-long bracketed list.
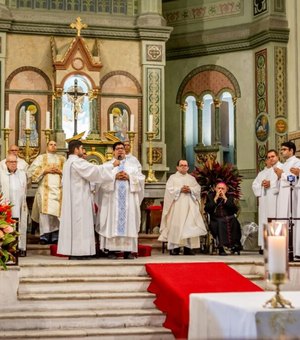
[(241, 316)]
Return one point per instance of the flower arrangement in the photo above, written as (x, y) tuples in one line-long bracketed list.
[(8, 234), (212, 173)]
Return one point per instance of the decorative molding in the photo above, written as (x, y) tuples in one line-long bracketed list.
[(261, 103), (259, 7), (122, 73), (154, 98), (204, 12), (157, 155), (154, 52)]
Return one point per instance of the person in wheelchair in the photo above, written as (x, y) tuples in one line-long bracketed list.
[(223, 224)]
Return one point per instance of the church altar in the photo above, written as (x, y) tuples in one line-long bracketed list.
[(241, 316)]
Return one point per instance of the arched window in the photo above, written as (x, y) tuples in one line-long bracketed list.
[(227, 126), (207, 121), (191, 128), (76, 104)]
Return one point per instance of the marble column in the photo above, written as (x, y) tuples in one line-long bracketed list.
[(200, 112), (217, 104)]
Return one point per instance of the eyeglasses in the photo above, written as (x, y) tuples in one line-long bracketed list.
[(181, 165), (14, 150), (119, 148), (12, 162)]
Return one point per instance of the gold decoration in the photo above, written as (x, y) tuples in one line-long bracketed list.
[(151, 173), (78, 25)]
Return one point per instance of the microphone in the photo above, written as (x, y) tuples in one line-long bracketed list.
[(120, 158)]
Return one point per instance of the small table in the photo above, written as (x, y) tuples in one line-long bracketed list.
[(241, 316)]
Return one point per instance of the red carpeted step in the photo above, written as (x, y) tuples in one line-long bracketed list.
[(173, 283)]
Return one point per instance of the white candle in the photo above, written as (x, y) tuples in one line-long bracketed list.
[(27, 125), (150, 123), (132, 122), (47, 120), (111, 122), (277, 254), (7, 119)]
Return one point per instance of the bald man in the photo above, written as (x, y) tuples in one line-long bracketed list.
[(21, 164)]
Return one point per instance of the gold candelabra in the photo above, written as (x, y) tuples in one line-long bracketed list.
[(277, 301), (131, 135), (151, 173), (6, 138), (47, 133), (27, 146)]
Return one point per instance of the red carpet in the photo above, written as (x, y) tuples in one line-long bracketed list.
[(174, 282)]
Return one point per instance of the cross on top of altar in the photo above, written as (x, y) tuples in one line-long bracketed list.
[(78, 25)]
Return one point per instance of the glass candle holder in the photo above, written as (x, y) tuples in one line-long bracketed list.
[(276, 260)]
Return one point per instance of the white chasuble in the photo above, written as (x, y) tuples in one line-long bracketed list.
[(76, 233), (181, 217), (49, 192), (267, 198), (120, 213)]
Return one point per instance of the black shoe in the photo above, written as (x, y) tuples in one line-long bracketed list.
[(54, 237), (128, 255), (84, 257), (175, 251), (235, 249), (222, 252), (22, 253), (112, 255), (188, 251), (45, 238)]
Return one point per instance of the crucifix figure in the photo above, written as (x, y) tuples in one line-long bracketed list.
[(76, 96), (78, 25)]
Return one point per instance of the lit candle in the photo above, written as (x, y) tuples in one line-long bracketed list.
[(27, 125), (111, 122), (277, 254), (132, 122), (47, 120), (7, 119), (150, 123)]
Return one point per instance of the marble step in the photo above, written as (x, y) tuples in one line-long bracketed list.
[(80, 284), (63, 300), (95, 267), (129, 333), (74, 319)]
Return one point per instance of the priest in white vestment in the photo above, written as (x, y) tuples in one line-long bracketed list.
[(182, 223), (288, 178), (120, 213), (21, 163), (13, 185), (265, 189), (76, 232), (46, 170)]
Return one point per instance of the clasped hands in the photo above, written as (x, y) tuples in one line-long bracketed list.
[(293, 170), (122, 176), (220, 194), (185, 189), (53, 169)]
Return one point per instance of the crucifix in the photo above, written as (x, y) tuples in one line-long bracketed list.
[(76, 97)]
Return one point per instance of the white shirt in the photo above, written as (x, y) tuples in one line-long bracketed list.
[(15, 187)]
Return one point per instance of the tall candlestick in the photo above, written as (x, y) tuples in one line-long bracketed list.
[(111, 122), (47, 120), (7, 119), (132, 122), (27, 125), (150, 123), (277, 254)]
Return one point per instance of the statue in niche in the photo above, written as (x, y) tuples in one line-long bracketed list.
[(34, 114), (120, 120)]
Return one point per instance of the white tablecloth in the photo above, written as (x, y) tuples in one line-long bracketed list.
[(241, 316)]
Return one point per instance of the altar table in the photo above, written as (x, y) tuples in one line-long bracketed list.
[(241, 316)]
